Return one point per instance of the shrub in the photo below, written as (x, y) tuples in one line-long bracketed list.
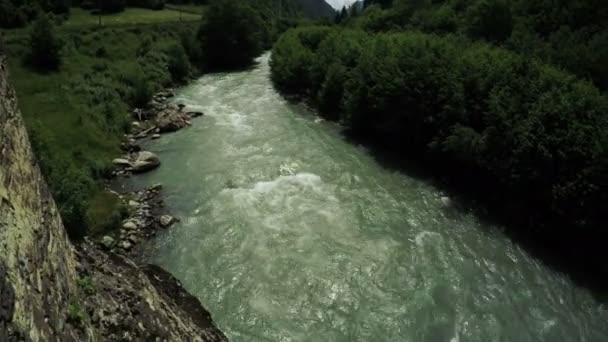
[(87, 286), (45, 47), (142, 92), (178, 64), (75, 314)]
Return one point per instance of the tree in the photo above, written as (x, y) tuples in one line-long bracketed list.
[(231, 35), (491, 20), (45, 48), (10, 16)]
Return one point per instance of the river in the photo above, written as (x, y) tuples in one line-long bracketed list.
[(290, 233)]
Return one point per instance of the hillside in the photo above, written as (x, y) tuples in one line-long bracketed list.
[(50, 291), (316, 8)]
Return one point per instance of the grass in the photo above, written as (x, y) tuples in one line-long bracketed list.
[(80, 17), (189, 8), (76, 116)]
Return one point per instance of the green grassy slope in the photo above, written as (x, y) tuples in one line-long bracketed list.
[(77, 116)]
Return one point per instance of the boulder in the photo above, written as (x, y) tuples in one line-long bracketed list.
[(446, 201), (166, 220), (156, 187), (171, 119), (155, 136), (121, 162), (126, 245), (134, 204), (107, 242), (145, 161), (129, 225)]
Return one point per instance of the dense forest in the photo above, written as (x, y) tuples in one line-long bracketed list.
[(506, 99)]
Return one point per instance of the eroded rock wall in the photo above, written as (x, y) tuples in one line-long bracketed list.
[(49, 291)]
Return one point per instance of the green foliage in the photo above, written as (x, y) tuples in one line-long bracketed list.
[(570, 34), (179, 64), (104, 213), (230, 35), (86, 285), (141, 92), (293, 57), (490, 20), (496, 120), (75, 314), (77, 116), (45, 47)]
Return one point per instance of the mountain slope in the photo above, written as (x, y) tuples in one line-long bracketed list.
[(316, 8)]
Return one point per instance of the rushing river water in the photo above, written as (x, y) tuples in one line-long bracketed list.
[(290, 233)]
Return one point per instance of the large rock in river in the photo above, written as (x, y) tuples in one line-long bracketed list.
[(145, 161), (171, 119)]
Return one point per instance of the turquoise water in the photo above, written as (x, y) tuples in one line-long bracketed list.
[(289, 233)]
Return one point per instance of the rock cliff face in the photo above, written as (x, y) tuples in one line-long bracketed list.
[(52, 291)]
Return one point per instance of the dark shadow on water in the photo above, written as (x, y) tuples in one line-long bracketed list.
[(580, 257)]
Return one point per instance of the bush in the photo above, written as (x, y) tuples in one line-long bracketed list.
[(75, 314), (142, 92), (45, 47), (179, 64), (230, 35)]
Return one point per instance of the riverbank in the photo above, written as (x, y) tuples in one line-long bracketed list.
[(76, 117), (51, 290), (145, 208)]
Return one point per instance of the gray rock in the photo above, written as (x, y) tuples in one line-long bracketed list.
[(171, 119), (126, 245), (134, 204), (166, 220), (446, 201), (145, 161), (130, 225), (121, 162), (156, 187), (156, 136), (107, 242)]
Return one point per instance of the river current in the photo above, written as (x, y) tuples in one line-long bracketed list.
[(290, 233)]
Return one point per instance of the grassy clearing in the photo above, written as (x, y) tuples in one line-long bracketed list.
[(80, 17)]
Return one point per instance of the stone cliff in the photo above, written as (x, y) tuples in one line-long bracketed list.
[(53, 291)]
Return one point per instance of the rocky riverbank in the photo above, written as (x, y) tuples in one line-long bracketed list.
[(51, 290), (146, 206)]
